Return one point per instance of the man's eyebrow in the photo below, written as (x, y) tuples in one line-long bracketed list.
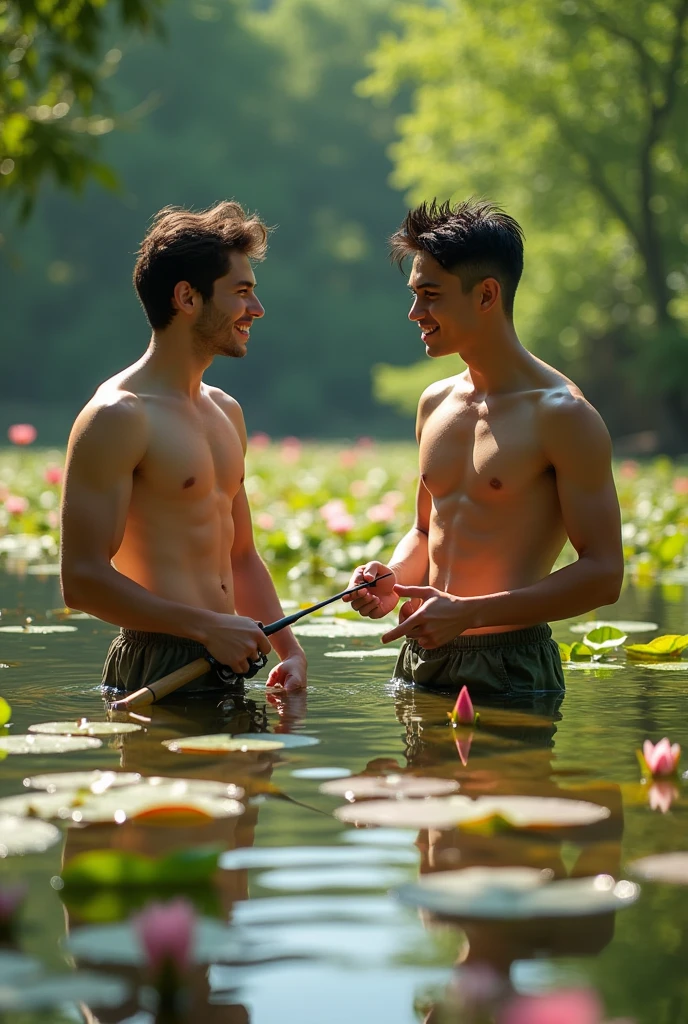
[(422, 284), (245, 284)]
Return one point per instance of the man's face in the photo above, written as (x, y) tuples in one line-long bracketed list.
[(224, 323), (448, 318)]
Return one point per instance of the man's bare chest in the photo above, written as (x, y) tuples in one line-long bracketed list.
[(189, 457), (484, 454)]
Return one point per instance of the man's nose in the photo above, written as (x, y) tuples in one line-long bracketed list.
[(256, 309), (415, 312)]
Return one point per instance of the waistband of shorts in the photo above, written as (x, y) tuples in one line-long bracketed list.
[(139, 636), (485, 641)]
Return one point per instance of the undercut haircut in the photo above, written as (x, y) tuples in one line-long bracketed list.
[(196, 247), (474, 240)]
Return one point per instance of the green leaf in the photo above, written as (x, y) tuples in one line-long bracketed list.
[(604, 638), (5, 711), (670, 645), (565, 651), (105, 868), (580, 652)]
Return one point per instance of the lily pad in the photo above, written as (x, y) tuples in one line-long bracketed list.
[(516, 893), (321, 773), (25, 835), (37, 629), (381, 836), (120, 944), (42, 993), (362, 786), (83, 727), (36, 744), (622, 624), (148, 799), (591, 666), (248, 857), (663, 867), (604, 638), (449, 812), (666, 666), (669, 646), (97, 781), (287, 739), (377, 652), (99, 868), (340, 877), (5, 712), (223, 743), (342, 628)]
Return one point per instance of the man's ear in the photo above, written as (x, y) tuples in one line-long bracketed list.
[(489, 293), (185, 299)]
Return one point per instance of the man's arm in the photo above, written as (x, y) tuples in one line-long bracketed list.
[(107, 443), (254, 591), (579, 449)]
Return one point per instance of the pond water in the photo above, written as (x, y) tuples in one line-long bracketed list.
[(312, 898)]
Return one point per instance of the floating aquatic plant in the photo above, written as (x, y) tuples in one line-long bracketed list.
[(671, 645), (659, 760)]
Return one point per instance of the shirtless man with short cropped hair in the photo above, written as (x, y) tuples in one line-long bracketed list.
[(513, 460), (156, 528)]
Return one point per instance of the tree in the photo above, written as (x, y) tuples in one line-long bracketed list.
[(52, 75), (571, 113)]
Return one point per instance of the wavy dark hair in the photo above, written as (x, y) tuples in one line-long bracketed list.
[(196, 247), (474, 239)]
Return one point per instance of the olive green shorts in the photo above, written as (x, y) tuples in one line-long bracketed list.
[(519, 663), (136, 658)]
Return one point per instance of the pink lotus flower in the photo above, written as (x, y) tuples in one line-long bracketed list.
[(166, 932), (661, 758), (11, 899), (392, 498), (681, 485), (464, 712), (53, 474), (380, 513), (16, 505), (463, 746), (569, 1006), (22, 433), (348, 458), (358, 489), (265, 521), (629, 469), (333, 508), (341, 524), (291, 449), (259, 441), (661, 796)]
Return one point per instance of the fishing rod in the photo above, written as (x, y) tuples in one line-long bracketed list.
[(187, 673)]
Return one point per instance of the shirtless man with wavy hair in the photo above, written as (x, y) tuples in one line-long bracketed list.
[(156, 527), (513, 461)]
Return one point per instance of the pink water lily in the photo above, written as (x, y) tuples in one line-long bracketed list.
[(53, 474), (569, 1006), (661, 758), (11, 899), (22, 433), (464, 712), (661, 796), (166, 932)]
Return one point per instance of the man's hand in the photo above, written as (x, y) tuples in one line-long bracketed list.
[(236, 641), (380, 599), (290, 674), (435, 621)]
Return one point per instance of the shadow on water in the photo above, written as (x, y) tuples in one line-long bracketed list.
[(316, 892)]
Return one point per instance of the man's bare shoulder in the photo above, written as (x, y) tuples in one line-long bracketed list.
[(568, 421), (113, 416), (229, 406), (436, 393)]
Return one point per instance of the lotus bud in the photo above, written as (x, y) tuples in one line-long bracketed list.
[(464, 713), (659, 760)]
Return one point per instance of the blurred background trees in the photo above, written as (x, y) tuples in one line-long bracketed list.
[(326, 118)]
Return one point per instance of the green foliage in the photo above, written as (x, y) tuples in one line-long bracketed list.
[(52, 74), (402, 386), (572, 114), (671, 645), (604, 639), (98, 868)]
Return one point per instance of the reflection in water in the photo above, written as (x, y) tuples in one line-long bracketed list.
[(338, 953)]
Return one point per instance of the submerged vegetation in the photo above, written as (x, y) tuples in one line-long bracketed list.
[(324, 508)]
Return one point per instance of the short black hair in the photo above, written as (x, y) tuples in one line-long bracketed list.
[(181, 245), (474, 239)]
